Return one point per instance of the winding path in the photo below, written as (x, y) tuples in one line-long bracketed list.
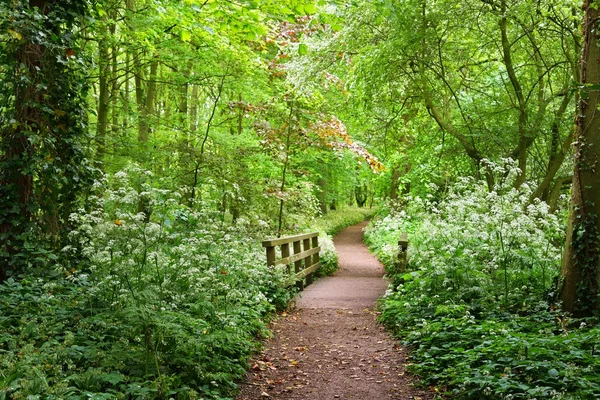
[(330, 346)]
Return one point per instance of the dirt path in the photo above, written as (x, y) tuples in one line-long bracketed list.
[(330, 346)]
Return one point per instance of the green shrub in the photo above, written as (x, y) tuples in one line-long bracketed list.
[(475, 305), (336, 221), (170, 306)]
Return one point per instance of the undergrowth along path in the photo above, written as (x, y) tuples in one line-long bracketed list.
[(330, 346)]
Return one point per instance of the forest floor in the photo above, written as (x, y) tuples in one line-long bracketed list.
[(329, 346)]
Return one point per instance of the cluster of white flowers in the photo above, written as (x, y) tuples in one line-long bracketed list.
[(478, 238), (178, 256)]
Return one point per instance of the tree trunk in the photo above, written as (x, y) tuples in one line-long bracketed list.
[(114, 90), (194, 111), (360, 194), (322, 195), (524, 141), (146, 105), (103, 100), (557, 153), (581, 260)]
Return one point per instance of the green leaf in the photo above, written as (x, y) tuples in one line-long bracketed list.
[(310, 9), (15, 34), (303, 49), (113, 377)]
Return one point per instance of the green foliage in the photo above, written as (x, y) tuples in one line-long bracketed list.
[(474, 306), (170, 306), (478, 351), (336, 221), (43, 131)]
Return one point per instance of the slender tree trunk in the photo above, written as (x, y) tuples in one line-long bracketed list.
[(103, 98), (127, 94), (581, 260), (147, 104), (114, 90), (285, 167), (395, 183), (558, 153), (209, 124), (194, 110), (524, 142), (240, 116), (322, 195)]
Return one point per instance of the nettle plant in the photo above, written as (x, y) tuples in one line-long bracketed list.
[(477, 244)]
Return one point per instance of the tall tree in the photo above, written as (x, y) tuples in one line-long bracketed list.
[(42, 110), (580, 292)]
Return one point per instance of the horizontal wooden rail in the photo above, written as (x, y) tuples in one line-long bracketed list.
[(305, 256), (299, 256)]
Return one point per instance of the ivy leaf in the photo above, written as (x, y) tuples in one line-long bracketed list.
[(15, 34)]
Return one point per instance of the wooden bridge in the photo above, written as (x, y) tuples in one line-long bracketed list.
[(300, 250)]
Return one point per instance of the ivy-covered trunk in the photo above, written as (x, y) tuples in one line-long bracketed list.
[(581, 262), (42, 161)]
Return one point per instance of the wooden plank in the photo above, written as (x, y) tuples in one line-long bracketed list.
[(403, 242), (315, 244), (288, 239), (270, 256), (316, 258), (285, 252), (303, 274), (298, 264), (307, 260), (296, 257)]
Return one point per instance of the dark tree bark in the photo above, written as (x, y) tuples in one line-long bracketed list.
[(581, 261), (41, 156)]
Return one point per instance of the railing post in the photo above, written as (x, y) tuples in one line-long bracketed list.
[(402, 250), (315, 243), (307, 260), (298, 265), (270, 256), (285, 252)]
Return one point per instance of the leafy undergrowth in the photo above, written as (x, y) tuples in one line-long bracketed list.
[(476, 304), (336, 221), (170, 306)]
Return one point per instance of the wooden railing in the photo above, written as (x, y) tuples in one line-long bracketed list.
[(300, 250), (402, 250)]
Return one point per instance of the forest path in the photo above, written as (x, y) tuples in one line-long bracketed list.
[(330, 346)]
